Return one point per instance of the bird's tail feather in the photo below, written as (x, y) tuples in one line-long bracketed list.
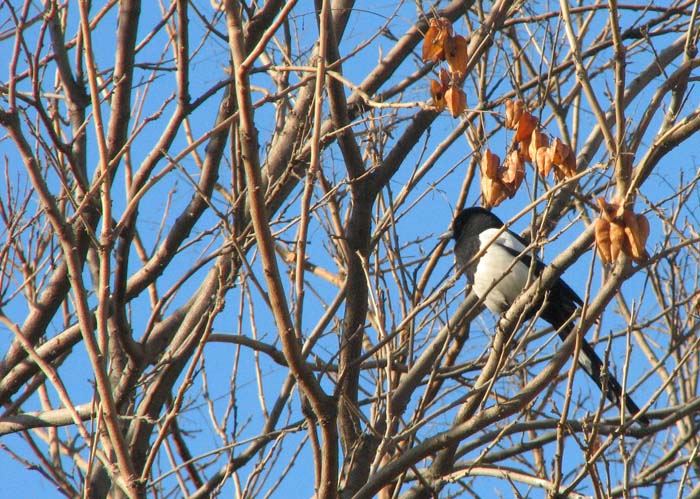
[(589, 360)]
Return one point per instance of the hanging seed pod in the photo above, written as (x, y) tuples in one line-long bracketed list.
[(618, 240), (558, 151), (492, 191), (568, 166), (537, 140), (456, 54), (439, 31), (524, 152), (602, 239), (512, 173), (526, 124), (489, 164), (437, 94), (543, 161), (456, 100), (514, 110), (636, 231)]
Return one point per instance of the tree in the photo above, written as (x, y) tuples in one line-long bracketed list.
[(220, 266)]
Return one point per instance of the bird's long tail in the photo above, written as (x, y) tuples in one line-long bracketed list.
[(589, 360)]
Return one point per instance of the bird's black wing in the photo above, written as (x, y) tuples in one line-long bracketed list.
[(559, 291), (558, 308)]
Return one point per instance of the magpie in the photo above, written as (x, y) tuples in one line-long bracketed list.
[(498, 282)]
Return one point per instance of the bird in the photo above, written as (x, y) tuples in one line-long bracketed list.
[(485, 253)]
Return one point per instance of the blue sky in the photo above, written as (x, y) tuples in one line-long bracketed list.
[(428, 213)]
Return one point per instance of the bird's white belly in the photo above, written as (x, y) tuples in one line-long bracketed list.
[(496, 290)]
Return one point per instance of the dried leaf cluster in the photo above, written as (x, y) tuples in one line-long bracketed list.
[(441, 44), (535, 146), (620, 230), (518, 118), (446, 93)]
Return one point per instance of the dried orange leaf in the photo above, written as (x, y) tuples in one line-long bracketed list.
[(456, 54), (492, 192), (568, 166), (432, 51), (644, 228), (438, 95), (513, 173), (559, 151), (537, 140), (602, 239), (456, 100), (543, 161), (634, 251), (439, 31), (526, 124), (618, 240), (635, 234), (524, 151), (489, 164), (630, 220), (514, 110)]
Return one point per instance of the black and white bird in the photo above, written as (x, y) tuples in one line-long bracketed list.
[(498, 281)]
